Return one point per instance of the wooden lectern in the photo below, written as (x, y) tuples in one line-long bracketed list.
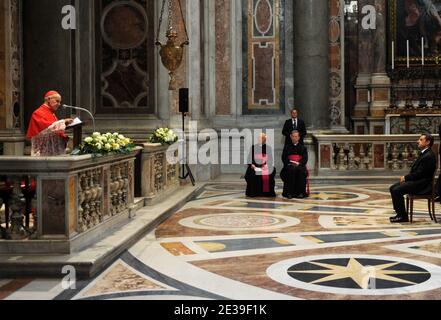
[(77, 134)]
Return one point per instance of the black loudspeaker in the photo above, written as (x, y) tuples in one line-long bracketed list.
[(183, 100)]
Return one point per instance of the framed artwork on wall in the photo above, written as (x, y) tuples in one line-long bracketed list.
[(415, 31)]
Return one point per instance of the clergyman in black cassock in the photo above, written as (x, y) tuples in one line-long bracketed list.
[(260, 175), (294, 173), (418, 181), (294, 124)]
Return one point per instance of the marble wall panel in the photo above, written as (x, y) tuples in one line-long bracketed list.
[(264, 56), (223, 56), (53, 207), (73, 219), (379, 156), (263, 92), (381, 95), (325, 156), (126, 57), (182, 72), (336, 72), (2, 68)]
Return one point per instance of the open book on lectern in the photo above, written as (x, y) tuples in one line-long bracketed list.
[(75, 122)]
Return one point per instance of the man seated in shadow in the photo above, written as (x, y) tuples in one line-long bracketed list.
[(438, 184), (261, 172), (294, 173), (418, 181)]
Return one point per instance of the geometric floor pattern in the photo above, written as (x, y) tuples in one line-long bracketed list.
[(337, 244)]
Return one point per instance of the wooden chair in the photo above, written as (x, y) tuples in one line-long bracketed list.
[(430, 201)]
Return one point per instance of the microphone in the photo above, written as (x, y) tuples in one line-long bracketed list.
[(82, 109)]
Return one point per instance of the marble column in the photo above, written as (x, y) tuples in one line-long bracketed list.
[(379, 39), (194, 61), (2, 66), (85, 47), (163, 97), (365, 66), (337, 66), (380, 82), (11, 129), (311, 62), (49, 55)]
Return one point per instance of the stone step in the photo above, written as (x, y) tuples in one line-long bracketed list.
[(94, 259)]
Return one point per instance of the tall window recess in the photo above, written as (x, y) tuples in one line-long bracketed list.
[(263, 56), (125, 57)]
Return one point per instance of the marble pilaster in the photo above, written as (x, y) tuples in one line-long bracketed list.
[(365, 67), (223, 56), (10, 78), (2, 65), (337, 66), (380, 83), (195, 53), (163, 105), (182, 72)]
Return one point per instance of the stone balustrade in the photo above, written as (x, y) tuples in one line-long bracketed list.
[(12, 143), (367, 153), (159, 177), (63, 203)]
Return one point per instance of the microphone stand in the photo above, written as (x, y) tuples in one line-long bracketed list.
[(85, 110), (185, 165)]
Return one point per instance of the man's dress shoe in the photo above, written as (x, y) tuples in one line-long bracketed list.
[(399, 219)]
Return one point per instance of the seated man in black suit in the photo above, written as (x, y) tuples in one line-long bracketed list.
[(418, 181), (294, 124)]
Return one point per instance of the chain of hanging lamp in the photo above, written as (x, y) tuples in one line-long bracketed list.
[(172, 52)]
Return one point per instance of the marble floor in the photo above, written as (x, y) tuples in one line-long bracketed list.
[(337, 244)]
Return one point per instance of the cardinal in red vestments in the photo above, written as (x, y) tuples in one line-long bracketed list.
[(45, 130)]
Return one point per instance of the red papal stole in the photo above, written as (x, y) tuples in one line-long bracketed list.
[(263, 158), (298, 158)]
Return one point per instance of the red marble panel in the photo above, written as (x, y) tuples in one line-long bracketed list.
[(379, 130), (106, 191), (379, 156), (125, 26), (334, 30), (325, 156), (334, 7), (381, 94), (360, 130), (2, 70), (263, 17), (223, 57), (131, 171), (53, 210), (334, 56), (263, 73), (72, 207)]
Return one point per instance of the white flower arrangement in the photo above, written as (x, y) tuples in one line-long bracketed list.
[(164, 136), (99, 143)]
